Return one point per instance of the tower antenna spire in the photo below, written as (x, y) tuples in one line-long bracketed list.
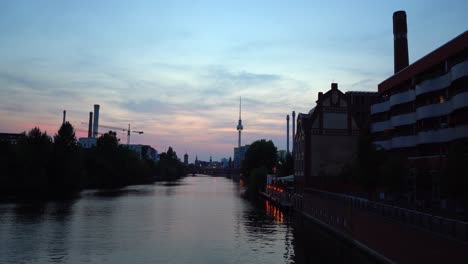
[(240, 107)]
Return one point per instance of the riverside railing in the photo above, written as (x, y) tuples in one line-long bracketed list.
[(440, 225)]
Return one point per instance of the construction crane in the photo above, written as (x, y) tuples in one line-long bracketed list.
[(121, 129), (124, 129)]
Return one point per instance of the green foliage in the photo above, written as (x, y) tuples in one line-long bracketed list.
[(110, 165), (259, 160), (256, 181), (36, 167), (65, 137), (32, 155), (260, 153), (169, 166), (108, 142)]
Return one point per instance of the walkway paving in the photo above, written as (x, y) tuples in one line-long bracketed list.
[(397, 241)]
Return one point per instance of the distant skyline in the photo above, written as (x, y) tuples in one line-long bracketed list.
[(176, 69)]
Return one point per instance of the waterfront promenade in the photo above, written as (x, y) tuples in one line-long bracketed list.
[(377, 232)]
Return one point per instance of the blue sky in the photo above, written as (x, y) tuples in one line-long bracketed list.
[(176, 69)]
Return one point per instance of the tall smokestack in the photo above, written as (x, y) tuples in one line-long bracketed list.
[(287, 133), (90, 125), (400, 41), (293, 129), (96, 121), (64, 116)]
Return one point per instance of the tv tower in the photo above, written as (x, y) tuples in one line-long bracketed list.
[(239, 126)]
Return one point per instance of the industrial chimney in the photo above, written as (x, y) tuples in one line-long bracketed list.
[(64, 116), (293, 129), (287, 133), (400, 41), (96, 121), (90, 126)]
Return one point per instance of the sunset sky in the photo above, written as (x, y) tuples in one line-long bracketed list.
[(176, 69)]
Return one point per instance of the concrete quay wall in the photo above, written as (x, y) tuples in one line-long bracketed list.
[(389, 233)]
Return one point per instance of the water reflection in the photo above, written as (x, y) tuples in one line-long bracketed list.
[(197, 220), (274, 211), (41, 230)]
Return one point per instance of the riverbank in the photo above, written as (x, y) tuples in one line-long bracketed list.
[(381, 237)]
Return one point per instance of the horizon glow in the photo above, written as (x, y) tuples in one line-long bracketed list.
[(175, 70)]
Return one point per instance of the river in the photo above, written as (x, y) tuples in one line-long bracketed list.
[(198, 219)]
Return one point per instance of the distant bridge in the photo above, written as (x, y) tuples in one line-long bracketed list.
[(216, 171)]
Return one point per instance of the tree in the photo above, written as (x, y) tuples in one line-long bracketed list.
[(65, 137), (259, 160), (35, 138), (65, 170), (169, 166), (260, 153), (108, 141), (34, 154)]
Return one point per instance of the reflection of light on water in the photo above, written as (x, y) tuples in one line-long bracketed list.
[(274, 211)]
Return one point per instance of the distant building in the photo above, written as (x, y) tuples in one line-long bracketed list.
[(239, 154), (11, 138), (225, 162), (144, 151), (186, 159), (87, 142), (325, 139)]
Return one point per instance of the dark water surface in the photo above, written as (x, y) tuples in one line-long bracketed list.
[(197, 220)]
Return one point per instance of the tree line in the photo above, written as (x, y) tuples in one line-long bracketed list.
[(42, 166)]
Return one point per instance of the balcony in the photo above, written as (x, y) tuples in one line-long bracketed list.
[(433, 110), (401, 120), (404, 141), (385, 144), (401, 98), (380, 126), (435, 136), (425, 137), (443, 135), (459, 101), (435, 84), (459, 70), (460, 132), (380, 107)]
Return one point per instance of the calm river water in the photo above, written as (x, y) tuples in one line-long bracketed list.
[(196, 220)]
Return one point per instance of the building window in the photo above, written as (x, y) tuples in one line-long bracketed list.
[(441, 99)]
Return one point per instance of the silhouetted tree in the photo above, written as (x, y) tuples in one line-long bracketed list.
[(108, 141), (65, 136), (169, 166), (34, 153), (260, 153), (66, 167), (259, 160)]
